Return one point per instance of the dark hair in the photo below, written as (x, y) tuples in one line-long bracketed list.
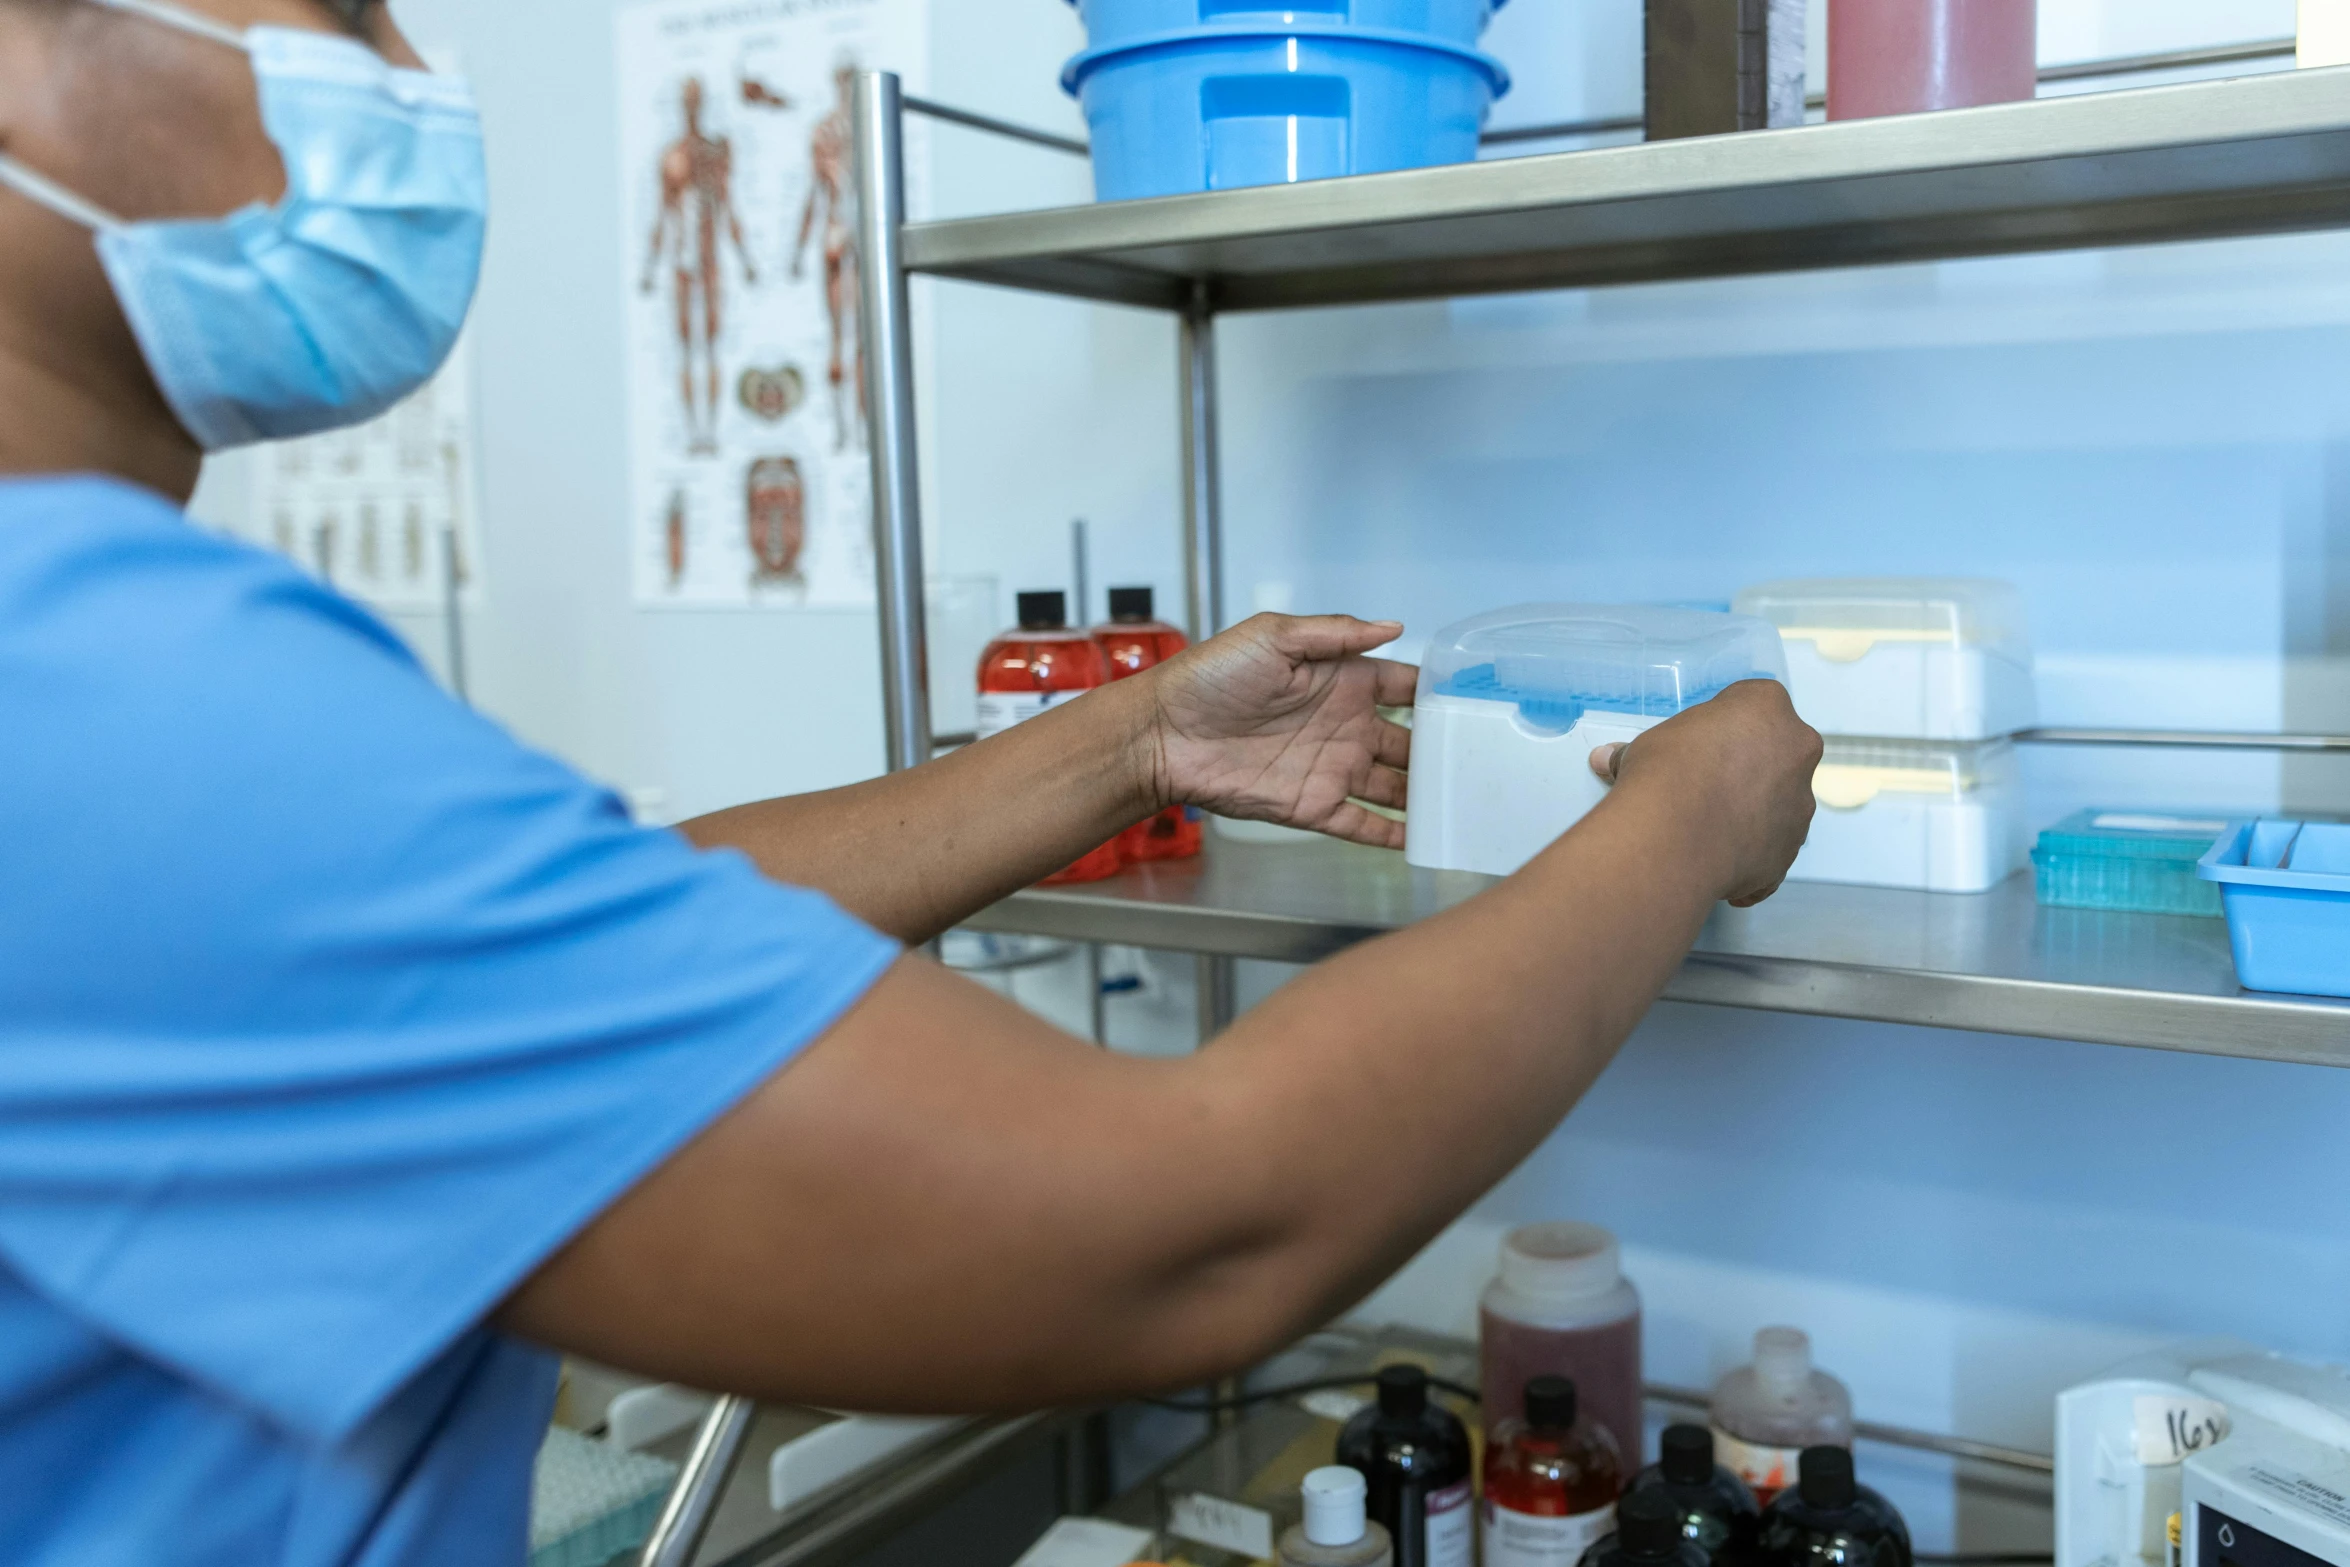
[(353, 13)]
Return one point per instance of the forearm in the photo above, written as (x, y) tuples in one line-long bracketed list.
[(917, 852), (1377, 1096)]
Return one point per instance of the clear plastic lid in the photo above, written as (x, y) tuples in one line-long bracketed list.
[(1854, 772), (1848, 617), (1557, 662)]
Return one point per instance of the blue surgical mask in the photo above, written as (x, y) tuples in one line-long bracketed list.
[(329, 307)]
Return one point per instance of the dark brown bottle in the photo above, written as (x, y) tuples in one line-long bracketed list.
[(1829, 1519), (1648, 1534), (1718, 1513), (1415, 1456)]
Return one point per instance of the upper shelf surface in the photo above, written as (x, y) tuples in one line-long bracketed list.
[(1996, 963), (2249, 155)]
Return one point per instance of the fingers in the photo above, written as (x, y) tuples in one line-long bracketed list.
[(1354, 824), (1608, 759), (1384, 786), (1392, 747), (1398, 683)]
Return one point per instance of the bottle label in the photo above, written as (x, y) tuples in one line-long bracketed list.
[(1221, 1524), (1452, 1527), (1515, 1539), (1000, 710), (1768, 1470)]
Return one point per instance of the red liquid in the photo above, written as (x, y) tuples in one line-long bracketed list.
[(1033, 663), (1908, 56), (1132, 647), (1602, 1360), (1550, 1493), (1552, 1474)]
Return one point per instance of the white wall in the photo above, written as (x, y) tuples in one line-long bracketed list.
[(2155, 444)]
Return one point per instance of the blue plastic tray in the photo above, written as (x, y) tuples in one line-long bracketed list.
[(2287, 890)]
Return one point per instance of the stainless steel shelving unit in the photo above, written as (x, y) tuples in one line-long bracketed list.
[(2263, 154)]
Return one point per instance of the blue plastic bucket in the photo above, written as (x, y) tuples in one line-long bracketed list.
[(1122, 21), (1214, 108)]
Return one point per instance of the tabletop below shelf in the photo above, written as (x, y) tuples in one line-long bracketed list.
[(1994, 963)]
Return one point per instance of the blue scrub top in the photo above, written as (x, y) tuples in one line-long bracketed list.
[(327, 1012)]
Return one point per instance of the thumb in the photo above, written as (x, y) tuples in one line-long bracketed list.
[(1322, 638), (1607, 759)]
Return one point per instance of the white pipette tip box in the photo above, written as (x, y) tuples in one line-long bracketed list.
[(1511, 704)]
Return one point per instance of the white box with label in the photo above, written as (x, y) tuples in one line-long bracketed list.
[(1928, 816), (1906, 658)]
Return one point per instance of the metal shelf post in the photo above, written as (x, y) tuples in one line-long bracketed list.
[(885, 327)]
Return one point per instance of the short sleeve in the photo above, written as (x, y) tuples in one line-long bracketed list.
[(329, 1011)]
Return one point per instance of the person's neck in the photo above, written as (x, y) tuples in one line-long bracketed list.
[(57, 423)]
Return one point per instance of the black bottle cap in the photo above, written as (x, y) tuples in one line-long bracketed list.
[(1648, 1526), (1133, 604), (1550, 1403), (1826, 1477), (1044, 611), (1403, 1392), (1686, 1455)]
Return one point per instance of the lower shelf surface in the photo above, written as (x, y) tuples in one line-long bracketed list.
[(1995, 963)]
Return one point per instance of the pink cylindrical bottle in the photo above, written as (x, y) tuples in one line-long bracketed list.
[(1908, 56), (1561, 1306)]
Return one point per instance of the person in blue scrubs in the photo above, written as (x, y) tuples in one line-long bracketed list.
[(356, 1060)]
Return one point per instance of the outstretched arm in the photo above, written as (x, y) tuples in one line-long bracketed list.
[(947, 1205), (1276, 719)]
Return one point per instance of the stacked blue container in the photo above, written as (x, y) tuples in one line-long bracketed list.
[(1193, 95)]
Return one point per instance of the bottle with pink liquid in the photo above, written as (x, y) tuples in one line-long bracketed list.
[(1561, 1306), (1909, 56)]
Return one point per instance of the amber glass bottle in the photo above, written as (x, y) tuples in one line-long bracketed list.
[(1551, 1481), (1134, 640), (1029, 671)]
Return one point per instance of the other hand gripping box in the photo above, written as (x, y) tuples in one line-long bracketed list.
[(1932, 816), (2286, 886), (1906, 658), (2137, 861), (1512, 704)]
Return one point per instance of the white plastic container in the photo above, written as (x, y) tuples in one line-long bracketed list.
[(1767, 1413), (1512, 704), (1926, 815), (1903, 658)]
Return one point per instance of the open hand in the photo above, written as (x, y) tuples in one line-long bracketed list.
[(1277, 721)]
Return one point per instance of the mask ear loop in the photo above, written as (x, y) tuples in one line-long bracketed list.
[(185, 21), (46, 192)]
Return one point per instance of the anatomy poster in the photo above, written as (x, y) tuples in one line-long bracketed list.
[(749, 483), (383, 511)]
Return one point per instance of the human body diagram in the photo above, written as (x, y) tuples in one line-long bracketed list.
[(696, 222), (831, 207)]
